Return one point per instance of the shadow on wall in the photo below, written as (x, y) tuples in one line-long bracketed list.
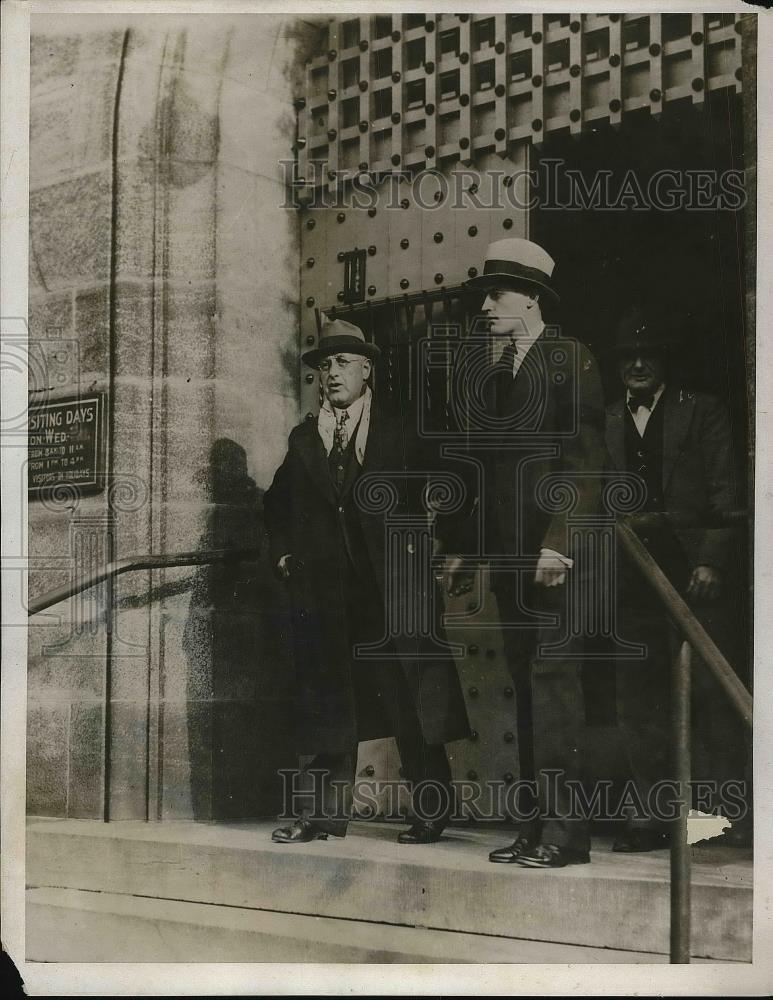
[(239, 672)]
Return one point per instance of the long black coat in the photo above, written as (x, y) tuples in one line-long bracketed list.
[(305, 517)]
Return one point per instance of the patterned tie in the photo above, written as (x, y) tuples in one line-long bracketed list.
[(341, 435), (340, 441)]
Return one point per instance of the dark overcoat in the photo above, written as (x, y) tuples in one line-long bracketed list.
[(307, 518), (697, 488)]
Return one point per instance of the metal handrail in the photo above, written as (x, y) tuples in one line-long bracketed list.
[(678, 611), (695, 638), (138, 562), (686, 622), (680, 856)]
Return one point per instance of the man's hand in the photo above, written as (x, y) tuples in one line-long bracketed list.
[(283, 567), (456, 579), (705, 584), (551, 571)]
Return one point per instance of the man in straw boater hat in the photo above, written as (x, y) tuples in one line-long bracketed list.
[(331, 551), (679, 441), (543, 415)]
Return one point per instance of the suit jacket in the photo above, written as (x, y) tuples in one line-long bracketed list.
[(306, 517), (552, 412), (698, 481)]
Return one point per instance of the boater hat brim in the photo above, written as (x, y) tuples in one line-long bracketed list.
[(509, 274), (332, 345)]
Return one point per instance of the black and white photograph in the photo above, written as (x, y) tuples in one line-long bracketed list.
[(384, 409)]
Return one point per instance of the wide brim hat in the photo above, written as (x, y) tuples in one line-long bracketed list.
[(515, 262), (337, 336), (643, 331)]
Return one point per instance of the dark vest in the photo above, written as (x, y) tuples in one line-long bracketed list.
[(342, 468), (340, 465), (644, 455)]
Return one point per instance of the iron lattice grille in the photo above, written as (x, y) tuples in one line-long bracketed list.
[(401, 327), (413, 91)]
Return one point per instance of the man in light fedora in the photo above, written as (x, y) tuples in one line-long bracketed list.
[(679, 441), (542, 397), (331, 552)]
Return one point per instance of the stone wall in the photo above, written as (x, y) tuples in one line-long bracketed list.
[(163, 271)]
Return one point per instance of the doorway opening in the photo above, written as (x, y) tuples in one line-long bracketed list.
[(680, 248), (659, 222)]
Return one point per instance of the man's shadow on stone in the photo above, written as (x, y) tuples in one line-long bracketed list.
[(239, 674)]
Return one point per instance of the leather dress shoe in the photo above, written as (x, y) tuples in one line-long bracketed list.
[(300, 832), (507, 855), (551, 856), (638, 841), (421, 833)]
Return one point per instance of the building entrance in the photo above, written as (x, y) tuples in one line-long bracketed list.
[(649, 214)]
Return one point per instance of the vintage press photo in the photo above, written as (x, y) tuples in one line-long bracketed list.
[(383, 482)]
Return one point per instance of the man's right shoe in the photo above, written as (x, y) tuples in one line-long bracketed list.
[(639, 841), (422, 832), (508, 855), (300, 832)]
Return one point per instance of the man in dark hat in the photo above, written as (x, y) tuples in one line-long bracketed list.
[(680, 443), (544, 417), (331, 551)]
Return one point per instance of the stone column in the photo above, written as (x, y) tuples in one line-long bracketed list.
[(160, 248)]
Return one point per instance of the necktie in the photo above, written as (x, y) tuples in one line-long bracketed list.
[(340, 441), (508, 356), (341, 436), (643, 399)]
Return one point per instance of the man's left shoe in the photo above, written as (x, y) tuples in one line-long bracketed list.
[(551, 856), (510, 854), (299, 832), (421, 833)]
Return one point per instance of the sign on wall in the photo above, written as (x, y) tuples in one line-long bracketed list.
[(66, 444)]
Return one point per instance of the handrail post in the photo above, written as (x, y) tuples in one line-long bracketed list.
[(685, 621), (680, 849)]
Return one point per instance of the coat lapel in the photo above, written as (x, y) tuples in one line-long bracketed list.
[(615, 433), (373, 448), (679, 406), (312, 453)]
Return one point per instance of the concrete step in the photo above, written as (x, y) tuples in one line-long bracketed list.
[(618, 902), (71, 925)]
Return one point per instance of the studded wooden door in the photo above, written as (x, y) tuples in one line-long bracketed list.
[(416, 136)]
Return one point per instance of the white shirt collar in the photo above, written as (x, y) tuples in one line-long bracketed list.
[(522, 345), (354, 410), (359, 418)]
